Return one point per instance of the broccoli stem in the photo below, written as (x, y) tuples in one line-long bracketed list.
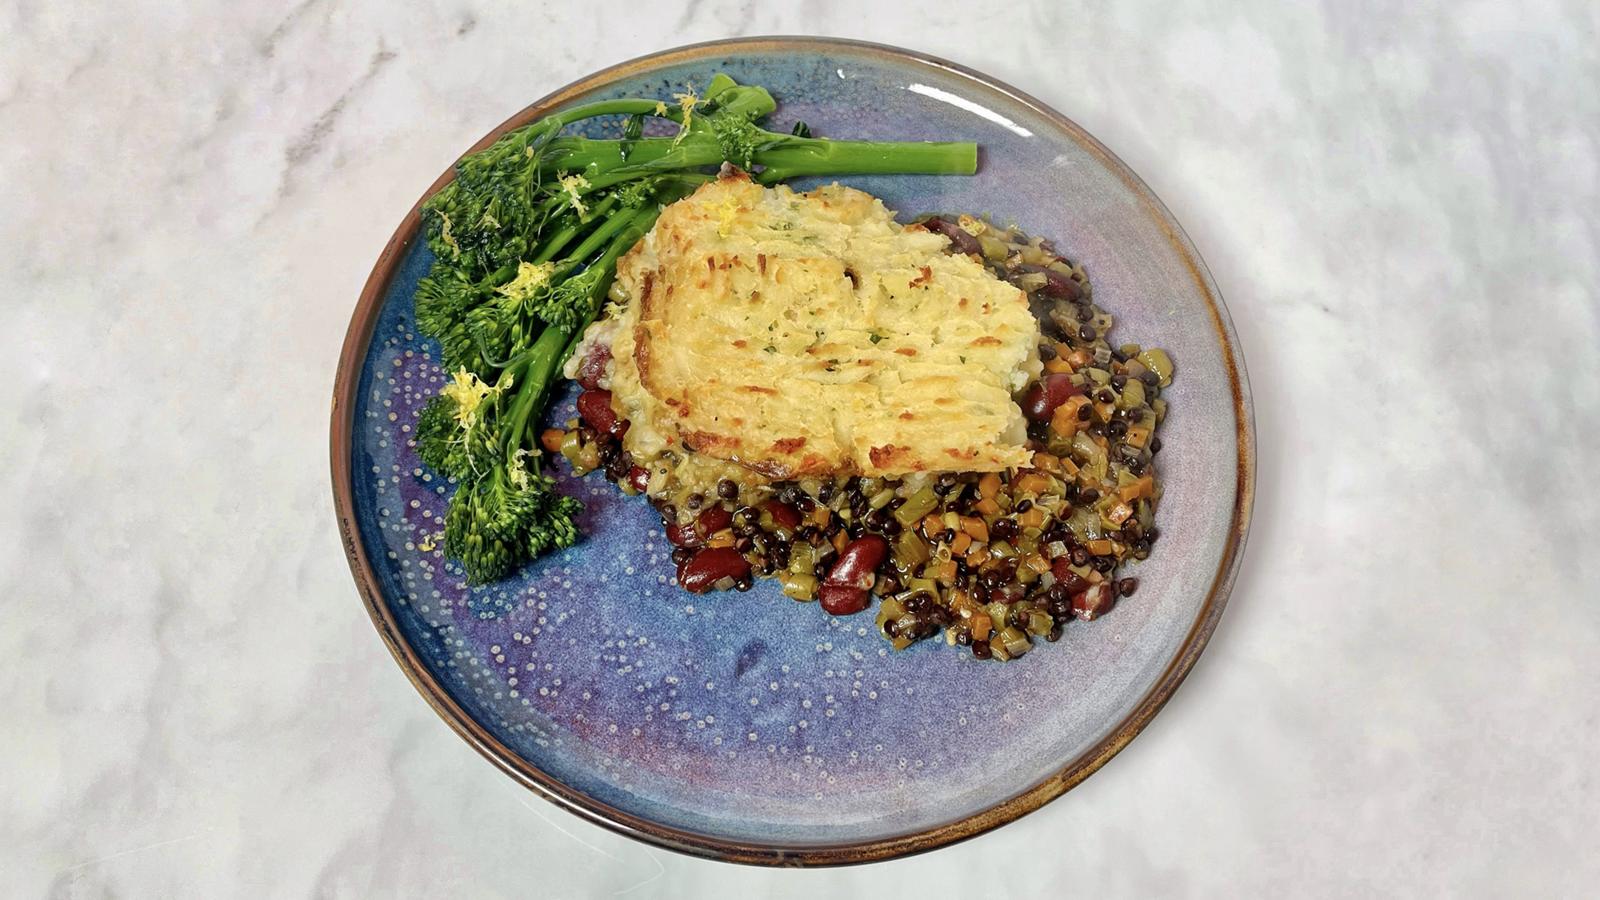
[(787, 157), (794, 157), (534, 369), (609, 229), (531, 382), (565, 235), (580, 154), (549, 126)]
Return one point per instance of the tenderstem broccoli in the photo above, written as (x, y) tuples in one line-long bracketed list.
[(525, 242)]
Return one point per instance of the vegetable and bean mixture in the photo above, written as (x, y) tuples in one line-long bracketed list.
[(989, 560)]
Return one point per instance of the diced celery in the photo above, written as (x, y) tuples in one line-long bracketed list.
[(888, 610), (1158, 362), (916, 506), (1016, 643), (1132, 396), (800, 587), (994, 250), (803, 558), (1040, 623), (1032, 281), (997, 612), (909, 551)]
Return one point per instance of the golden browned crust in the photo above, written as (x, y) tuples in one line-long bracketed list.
[(809, 334)]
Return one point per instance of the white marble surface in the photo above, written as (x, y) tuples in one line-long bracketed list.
[(1402, 209)]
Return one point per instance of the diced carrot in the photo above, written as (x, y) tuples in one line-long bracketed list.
[(981, 623), (988, 485), (1031, 483), (1033, 518), (986, 507), (1100, 547), (1064, 422), (1058, 366), (1120, 513), (976, 527), (1143, 486), (1046, 462), (551, 438), (1137, 436), (961, 543), (932, 527)]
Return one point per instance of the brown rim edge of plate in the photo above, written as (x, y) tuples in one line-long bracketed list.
[(358, 337)]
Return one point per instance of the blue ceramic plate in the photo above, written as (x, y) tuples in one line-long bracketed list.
[(747, 726)]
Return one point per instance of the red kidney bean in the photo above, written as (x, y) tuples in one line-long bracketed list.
[(857, 561), (712, 520), (1049, 392), (842, 599), (1061, 568), (638, 478), (963, 242), (682, 535), (595, 407), (1056, 285), (1094, 602), (593, 366), (782, 513), (709, 566)]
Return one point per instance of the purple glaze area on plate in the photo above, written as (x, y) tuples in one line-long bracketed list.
[(750, 717)]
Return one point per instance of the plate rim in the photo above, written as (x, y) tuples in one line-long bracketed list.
[(347, 380)]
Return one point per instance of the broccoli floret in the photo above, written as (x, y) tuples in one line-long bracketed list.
[(509, 516), (505, 511), (438, 439)]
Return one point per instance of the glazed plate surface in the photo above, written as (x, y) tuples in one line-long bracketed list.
[(748, 726)]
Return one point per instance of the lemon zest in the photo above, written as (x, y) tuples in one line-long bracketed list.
[(571, 184), (728, 215), (447, 237), (467, 391), (686, 102), (517, 469), (530, 278)]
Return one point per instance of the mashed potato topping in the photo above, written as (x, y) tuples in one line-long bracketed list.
[(811, 336)]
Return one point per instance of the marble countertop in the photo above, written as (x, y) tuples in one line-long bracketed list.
[(1403, 211)]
